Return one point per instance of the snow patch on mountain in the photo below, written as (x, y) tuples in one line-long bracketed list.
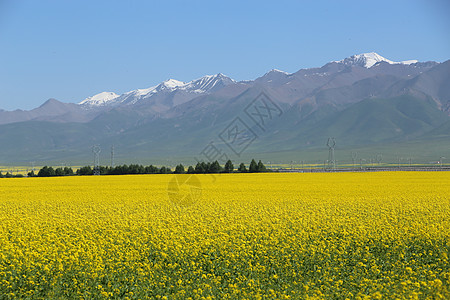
[(142, 92), (207, 83), (172, 84), (100, 99), (277, 71), (368, 60), (409, 62), (168, 85)]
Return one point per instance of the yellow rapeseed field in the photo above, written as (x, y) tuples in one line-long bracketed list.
[(379, 235)]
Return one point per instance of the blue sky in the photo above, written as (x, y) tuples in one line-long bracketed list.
[(70, 50)]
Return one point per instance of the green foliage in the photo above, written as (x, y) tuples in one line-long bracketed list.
[(242, 168), (68, 171), (84, 171), (229, 168), (179, 169), (151, 169), (261, 167), (46, 172), (215, 167), (59, 172), (191, 170), (253, 168), (200, 168), (165, 170), (9, 175)]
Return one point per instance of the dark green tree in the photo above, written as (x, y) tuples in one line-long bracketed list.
[(201, 168), (165, 170), (84, 171), (123, 169), (68, 171), (104, 170), (179, 169), (151, 169), (59, 172), (242, 168), (229, 167), (135, 169), (214, 167), (261, 167), (46, 172), (253, 166), (191, 170)]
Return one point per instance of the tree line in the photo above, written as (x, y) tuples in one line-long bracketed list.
[(199, 168), (9, 175)]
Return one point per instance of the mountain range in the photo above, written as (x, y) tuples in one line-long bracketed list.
[(362, 100)]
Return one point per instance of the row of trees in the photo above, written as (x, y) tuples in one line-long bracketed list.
[(9, 175), (200, 168), (124, 170), (49, 171), (215, 167)]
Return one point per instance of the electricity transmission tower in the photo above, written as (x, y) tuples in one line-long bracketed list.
[(112, 156), (331, 160), (354, 156), (379, 158), (96, 150)]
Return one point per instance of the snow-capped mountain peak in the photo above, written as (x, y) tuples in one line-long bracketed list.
[(368, 60), (172, 84), (99, 99), (167, 85), (142, 92), (208, 83), (205, 84), (277, 71), (273, 76)]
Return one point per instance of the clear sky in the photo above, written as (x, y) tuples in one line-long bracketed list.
[(70, 50)]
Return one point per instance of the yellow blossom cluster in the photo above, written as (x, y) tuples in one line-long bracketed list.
[(383, 235)]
